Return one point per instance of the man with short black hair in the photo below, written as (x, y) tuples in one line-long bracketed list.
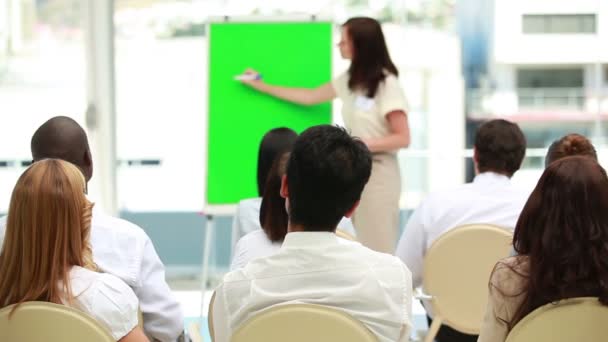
[(499, 150), (120, 248), (326, 174)]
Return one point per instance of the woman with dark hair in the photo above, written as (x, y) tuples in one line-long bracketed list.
[(570, 145), (561, 240), (374, 108), (272, 219), (274, 143)]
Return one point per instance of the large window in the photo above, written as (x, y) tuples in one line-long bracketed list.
[(559, 23), (550, 78), (553, 88), (42, 74)]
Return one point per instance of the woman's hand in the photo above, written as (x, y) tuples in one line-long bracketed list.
[(303, 96), (255, 82)]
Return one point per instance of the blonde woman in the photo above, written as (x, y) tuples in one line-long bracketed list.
[(47, 256)]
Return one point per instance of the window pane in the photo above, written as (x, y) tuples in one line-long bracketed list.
[(559, 23), (550, 78), (42, 74)]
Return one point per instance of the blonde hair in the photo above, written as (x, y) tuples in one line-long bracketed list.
[(47, 232)]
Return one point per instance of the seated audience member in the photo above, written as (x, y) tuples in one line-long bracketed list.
[(273, 220), (570, 145), (47, 255), (560, 239), (119, 247), (274, 143), (491, 199), (326, 173)]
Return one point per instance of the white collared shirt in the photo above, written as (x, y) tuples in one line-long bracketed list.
[(106, 298), (124, 250), (246, 218), (318, 268), (489, 199), (252, 246)]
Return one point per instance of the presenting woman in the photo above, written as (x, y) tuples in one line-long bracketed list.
[(374, 108)]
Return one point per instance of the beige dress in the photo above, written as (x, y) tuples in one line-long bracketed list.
[(377, 218), (506, 295)]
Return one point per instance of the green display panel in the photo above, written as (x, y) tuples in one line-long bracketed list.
[(285, 53)]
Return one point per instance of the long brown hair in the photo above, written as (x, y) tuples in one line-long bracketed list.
[(273, 215), (562, 235), (47, 232), (371, 59)]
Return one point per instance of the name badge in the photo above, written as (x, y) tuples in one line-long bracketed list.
[(364, 103)]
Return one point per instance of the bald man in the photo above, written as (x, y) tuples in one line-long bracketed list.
[(119, 247)]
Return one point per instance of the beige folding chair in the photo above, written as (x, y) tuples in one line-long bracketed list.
[(456, 273), (48, 322), (303, 323), (210, 317), (576, 319)]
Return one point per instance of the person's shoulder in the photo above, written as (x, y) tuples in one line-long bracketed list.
[(509, 275), (2, 228), (111, 301), (257, 235), (391, 80), (340, 83), (442, 198), (387, 266), (246, 206), (105, 223), (375, 257)]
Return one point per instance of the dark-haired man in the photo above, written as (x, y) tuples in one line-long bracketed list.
[(499, 151), (326, 174)]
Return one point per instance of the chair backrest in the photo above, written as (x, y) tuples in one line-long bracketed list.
[(576, 319), (302, 323), (457, 270), (48, 322), (210, 317)]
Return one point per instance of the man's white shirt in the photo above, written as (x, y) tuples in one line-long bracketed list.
[(319, 268), (491, 199)]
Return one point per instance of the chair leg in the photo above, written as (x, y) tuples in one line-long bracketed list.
[(433, 329)]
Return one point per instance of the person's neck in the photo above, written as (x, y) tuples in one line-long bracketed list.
[(293, 228), (502, 173)]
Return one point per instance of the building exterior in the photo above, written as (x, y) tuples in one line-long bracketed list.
[(536, 61)]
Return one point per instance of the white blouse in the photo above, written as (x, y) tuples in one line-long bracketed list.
[(252, 246), (246, 218), (105, 298)]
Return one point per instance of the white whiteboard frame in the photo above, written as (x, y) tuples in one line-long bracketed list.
[(230, 209)]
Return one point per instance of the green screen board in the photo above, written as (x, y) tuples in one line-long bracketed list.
[(290, 54)]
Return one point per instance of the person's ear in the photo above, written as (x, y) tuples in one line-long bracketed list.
[(87, 165), (284, 192), (351, 211), (475, 160)]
